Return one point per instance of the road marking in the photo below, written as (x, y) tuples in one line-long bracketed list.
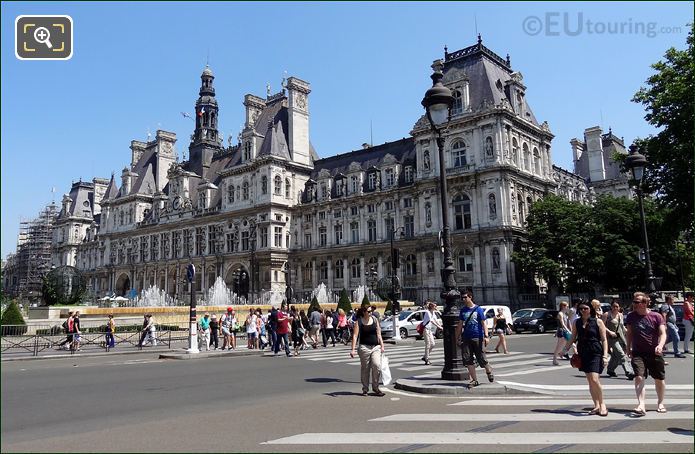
[(543, 402), (585, 386), (501, 438), (550, 416), (536, 370)]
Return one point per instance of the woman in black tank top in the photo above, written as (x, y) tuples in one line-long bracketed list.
[(368, 332)]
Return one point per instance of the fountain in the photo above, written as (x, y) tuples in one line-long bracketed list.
[(359, 293), (153, 297), (275, 299), (220, 295), (325, 297)]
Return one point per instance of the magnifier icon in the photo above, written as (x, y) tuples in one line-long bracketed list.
[(43, 36)]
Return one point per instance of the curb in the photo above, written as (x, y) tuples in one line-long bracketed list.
[(82, 355), (457, 388), (179, 355)]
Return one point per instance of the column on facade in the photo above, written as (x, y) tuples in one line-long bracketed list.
[(329, 261), (504, 260), (299, 276), (346, 273), (363, 277), (314, 273), (478, 262), (166, 280), (380, 265)]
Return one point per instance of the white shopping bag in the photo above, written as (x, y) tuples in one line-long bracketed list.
[(385, 371)]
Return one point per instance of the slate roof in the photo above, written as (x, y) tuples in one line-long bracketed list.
[(111, 190), (402, 150), (487, 73), (80, 193)]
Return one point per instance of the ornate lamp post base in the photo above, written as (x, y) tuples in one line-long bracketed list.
[(453, 364)]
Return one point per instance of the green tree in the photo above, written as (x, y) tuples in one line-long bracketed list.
[(668, 100), (12, 316), (344, 301), (365, 301), (314, 305)]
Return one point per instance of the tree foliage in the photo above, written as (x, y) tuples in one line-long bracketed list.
[(12, 315), (365, 301), (581, 248), (314, 305), (668, 100), (344, 301)]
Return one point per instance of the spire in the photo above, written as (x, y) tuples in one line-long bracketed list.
[(111, 190), (206, 109)]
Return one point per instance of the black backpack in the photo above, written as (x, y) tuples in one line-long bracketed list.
[(65, 326)]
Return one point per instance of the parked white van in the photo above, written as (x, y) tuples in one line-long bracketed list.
[(490, 312)]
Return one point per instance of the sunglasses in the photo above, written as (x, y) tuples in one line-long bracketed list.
[(583, 308), (638, 302)]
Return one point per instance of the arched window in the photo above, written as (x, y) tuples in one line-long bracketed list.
[(515, 152), (278, 185), (457, 108), (410, 265), (307, 272), (458, 154), (373, 264), (527, 157), (339, 269), (495, 259), (355, 268), (466, 260), (287, 188), (426, 164), (492, 206), (462, 212), (264, 185), (245, 190), (323, 271), (428, 214), (230, 193), (536, 161)]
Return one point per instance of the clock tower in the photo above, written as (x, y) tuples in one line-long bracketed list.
[(205, 141)]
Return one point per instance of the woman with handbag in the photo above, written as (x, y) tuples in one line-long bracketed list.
[(592, 347), (368, 333), (501, 327), (563, 332), (615, 332)]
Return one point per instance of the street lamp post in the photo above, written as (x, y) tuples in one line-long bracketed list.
[(636, 162), (395, 293), (437, 103), (193, 320)]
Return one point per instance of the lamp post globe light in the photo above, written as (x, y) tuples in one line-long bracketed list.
[(437, 102), (635, 163)]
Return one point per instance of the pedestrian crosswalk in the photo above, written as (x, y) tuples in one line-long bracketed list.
[(408, 358), (540, 424)]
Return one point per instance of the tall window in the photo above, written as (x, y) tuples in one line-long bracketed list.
[(462, 212), (324, 191), (372, 181), (390, 177), (407, 202), (354, 232), (355, 184), (388, 227), (323, 271), (308, 272), (322, 236), (230, 242), (339, 187), (428, 214), (264, 236), (466, 261), (408, 177), (264, 185), (278, 185), (338, 230), (307, 240), (277, 237), (410, 265), (355, 267), (515, 151), (230, 193), (245, 190), (339, 269), (200, 241), (457, 108), (247, 151), (245, 240), (202, 200), (288, 192), (458, 154), (371, 230), (536, 161), (409, 226), (212, 240)]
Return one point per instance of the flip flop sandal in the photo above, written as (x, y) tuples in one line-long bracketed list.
[(638, 412), (595, 411), (661, 410), (491, 377), (473, 384)]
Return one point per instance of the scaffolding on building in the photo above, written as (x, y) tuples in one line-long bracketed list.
[(33, 257)]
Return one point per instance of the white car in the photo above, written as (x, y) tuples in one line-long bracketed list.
[(407, 324), (490, 312)]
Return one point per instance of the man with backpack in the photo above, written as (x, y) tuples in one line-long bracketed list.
[(471, 331)]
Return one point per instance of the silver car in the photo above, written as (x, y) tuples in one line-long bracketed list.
[(407, 324)]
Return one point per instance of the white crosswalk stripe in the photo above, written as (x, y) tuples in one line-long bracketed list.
[(622, 429)]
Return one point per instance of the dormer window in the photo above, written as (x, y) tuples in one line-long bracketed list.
[(324, 191), (408, 176), (354, 184), (245, 190), (390, 177), (230, 193), (202, 200), (278, 185), (457, 107), (339, 187), (247, 151), (372, 181)]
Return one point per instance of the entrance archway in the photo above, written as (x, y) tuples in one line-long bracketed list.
[(122, 285)]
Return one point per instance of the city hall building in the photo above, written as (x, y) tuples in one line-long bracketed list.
[(269, 209)]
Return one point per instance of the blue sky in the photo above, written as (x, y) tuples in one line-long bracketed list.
[(136, 66)]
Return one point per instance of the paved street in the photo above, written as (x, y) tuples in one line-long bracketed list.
[(312, 403)]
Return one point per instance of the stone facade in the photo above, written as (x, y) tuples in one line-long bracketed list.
[(593, 161), (267, 205)]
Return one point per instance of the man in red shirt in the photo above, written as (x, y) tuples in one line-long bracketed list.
[(284, 327), (646, 336)]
